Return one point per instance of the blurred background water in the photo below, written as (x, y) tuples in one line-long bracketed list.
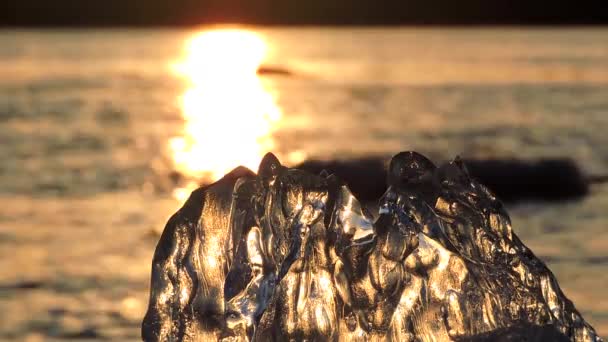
[(102, 131)]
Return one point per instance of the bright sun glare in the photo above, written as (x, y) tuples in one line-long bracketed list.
[(229, 114)]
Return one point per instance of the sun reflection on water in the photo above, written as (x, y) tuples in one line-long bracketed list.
[(229, 115)]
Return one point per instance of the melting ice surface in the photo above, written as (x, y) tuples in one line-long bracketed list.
[(287, 255)]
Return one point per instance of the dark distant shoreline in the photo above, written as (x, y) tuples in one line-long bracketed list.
[(304, 26), (187, 13)]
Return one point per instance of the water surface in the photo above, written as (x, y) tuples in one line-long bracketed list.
[(95, 124)]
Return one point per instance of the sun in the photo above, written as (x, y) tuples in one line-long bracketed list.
[(229, 115)]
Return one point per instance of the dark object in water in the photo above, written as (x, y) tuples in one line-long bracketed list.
[(273, 70), (23, 285), (87, 333), (510, 179), (287, 255), (545, 179)]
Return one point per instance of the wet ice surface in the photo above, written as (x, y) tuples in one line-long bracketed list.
[(92, 269), (289, 255), (84, 134)]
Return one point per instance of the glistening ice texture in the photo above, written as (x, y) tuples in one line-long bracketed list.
[(287, 255)]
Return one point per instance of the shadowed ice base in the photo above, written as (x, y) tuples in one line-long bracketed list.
[(285, 255)]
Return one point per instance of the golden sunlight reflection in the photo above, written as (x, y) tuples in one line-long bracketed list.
[(229, 115)]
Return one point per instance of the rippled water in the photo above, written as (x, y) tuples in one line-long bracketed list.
[(94, 124)]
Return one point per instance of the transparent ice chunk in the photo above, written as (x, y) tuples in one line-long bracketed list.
[(288, 255)]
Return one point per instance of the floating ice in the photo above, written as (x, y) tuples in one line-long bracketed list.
[(287, 255)]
